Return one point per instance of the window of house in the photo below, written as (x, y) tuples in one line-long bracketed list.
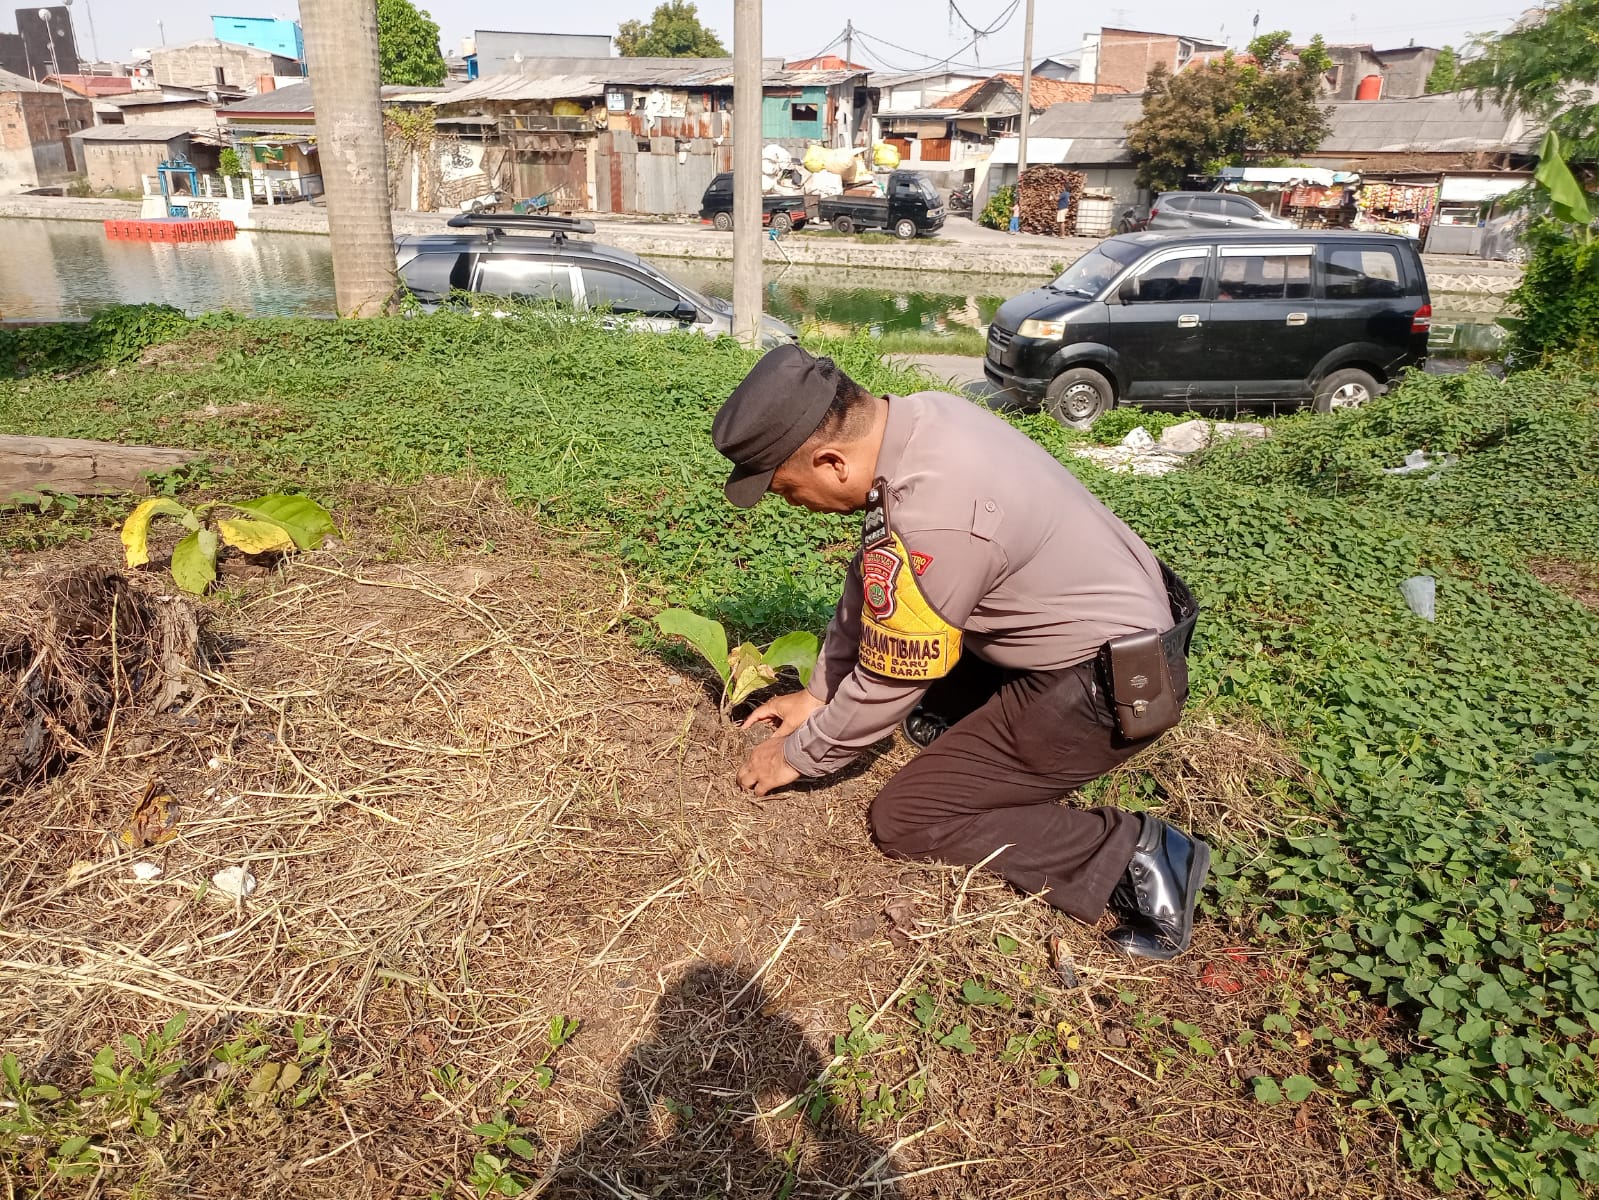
[(1264, 273), (222, 77), (802, 112)]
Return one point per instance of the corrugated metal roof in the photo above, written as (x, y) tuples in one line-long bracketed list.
[(10, 81), (138, 133), (511, 87), (293, 100), (1451, 123), (1093, 132)]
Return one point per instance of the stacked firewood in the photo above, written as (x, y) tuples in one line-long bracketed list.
[(1038, 194)]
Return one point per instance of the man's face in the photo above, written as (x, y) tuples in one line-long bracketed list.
[(820, 483)]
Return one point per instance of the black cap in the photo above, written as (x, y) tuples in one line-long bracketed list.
[(769, 416)]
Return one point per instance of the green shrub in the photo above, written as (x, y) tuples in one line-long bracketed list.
[(1119, 422), (112, 336), (996, 213), (229, 165), (1556, 304)]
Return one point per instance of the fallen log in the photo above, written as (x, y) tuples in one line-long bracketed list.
[(73, 466)]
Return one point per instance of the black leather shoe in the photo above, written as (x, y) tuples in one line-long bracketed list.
[(1157, 895), (923, 728)]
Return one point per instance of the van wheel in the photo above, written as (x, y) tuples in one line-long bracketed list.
[(905, 229), (723, 221), (843, 225), (1348, 388), (782, 222), (1079, 397)]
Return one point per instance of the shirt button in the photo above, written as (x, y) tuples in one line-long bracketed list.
[(989, 506)]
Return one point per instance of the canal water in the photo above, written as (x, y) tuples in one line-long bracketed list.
[(69, 269)]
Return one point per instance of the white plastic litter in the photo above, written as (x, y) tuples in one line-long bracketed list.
[(1139, 440), (1421, 593), (234, 881), (1420, 460), (145, 871)]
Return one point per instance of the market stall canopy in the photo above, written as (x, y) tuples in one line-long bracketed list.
[(1283, 176), (1479, 188)]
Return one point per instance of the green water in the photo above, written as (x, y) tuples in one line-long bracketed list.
[(69, 269)]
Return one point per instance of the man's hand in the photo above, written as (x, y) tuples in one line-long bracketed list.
[(766, 770), (784, 713)]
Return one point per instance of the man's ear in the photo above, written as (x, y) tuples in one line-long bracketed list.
[(831, 460)]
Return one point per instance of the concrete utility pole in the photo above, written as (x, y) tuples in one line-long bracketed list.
[(1027, 98), (747, 231), (341, 51)]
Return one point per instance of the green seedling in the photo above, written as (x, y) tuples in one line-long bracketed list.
[(747, 668), (272, 523), (493, 1173), (135, 1089)]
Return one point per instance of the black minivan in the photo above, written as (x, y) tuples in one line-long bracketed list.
[(1186, 320)]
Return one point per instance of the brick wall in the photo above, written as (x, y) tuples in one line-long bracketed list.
[(1127, 59), (196, 66), (33, 136)]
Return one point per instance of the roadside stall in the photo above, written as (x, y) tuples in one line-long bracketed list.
[(1465, 203), (1310, 197), (1389, 206)]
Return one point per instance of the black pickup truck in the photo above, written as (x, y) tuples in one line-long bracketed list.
[(780, 212), (911, 207)]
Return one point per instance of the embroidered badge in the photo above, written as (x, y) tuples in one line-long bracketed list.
[(878, 570), (920, 563)]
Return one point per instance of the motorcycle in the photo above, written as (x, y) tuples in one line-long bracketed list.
[(1131, 221), (960, 200)]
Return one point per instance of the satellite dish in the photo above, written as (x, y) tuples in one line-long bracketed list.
[(44, 14), (517, 57)]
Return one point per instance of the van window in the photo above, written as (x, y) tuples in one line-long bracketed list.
[(1180, 277), (1209, 205), (1264, 273), (1362, 273), (526, 279), (1235, 207), (625, 293)]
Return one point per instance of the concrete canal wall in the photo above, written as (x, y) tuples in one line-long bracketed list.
[(963, 246)]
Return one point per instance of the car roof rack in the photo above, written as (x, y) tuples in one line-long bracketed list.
[(495, 223)]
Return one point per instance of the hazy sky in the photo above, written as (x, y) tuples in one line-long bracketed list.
[(895, 34)]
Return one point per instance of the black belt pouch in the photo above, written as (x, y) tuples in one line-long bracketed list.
[(1146, 672)]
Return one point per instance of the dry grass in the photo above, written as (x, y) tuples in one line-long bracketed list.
[(470, 806)]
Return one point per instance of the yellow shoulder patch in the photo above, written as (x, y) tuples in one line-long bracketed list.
[(902, 637)]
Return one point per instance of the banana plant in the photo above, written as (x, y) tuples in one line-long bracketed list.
[(746, 668), (279, 522)]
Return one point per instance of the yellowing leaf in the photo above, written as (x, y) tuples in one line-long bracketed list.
[(136, 529), (254, 537), (306, 521), (749, 673)]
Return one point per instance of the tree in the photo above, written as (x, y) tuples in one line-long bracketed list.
[(1445, 73), (341, 48), (1545, 68), (1228, 112), (674, 31), (408, 45)]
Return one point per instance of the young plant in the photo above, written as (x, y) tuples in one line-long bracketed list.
[(134, 1090), (286, 523), (747, 668)]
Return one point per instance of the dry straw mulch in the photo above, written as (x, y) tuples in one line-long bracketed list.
[(470, 806)]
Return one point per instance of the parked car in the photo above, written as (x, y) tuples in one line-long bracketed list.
[(910, 206), (1195, 320), (1210, 210), (1504, 237), (531, 258), (779, 212)]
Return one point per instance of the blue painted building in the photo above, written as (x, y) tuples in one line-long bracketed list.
[(272, 34)]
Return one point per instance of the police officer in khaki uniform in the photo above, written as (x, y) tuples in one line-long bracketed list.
[(1024, 636)]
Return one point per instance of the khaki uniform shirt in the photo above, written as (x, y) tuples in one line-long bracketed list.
[(1008, 546)]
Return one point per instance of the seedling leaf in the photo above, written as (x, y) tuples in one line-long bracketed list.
[(797, 650), (254, 537), (136, 529), (749, 673), (306, 521), (194, 561), (959, 1038), (705, 635)]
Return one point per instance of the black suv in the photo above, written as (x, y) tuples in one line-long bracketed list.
[(1188, 320)]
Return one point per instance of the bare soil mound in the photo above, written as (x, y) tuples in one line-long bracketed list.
[(424, 814)]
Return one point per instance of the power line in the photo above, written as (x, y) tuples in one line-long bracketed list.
[(999, 22)]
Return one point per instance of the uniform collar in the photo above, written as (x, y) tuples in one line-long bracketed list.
[(897, 430)]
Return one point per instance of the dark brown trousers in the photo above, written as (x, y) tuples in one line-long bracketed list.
[(1019, 741)]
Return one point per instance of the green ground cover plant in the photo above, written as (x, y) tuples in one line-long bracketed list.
[(1452, 876)]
